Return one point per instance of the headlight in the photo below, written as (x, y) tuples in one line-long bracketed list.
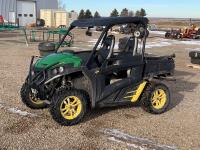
[(61, 69), (58, 70), (32, 73), (55, 72)]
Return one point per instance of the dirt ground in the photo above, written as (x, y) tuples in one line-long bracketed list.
[(108, 128)]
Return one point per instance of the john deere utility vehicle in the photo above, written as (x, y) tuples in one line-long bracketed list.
[(72, 82)]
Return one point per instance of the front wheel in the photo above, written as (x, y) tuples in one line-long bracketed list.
[(69, 107), (30, 98), (156, 98)]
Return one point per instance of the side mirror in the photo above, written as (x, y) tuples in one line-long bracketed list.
[(88, 32)]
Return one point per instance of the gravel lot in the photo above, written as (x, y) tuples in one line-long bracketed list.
[(108, 128)]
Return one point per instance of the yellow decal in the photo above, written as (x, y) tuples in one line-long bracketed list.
[(138, 92)]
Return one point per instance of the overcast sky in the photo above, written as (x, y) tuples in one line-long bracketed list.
[(154, 8)]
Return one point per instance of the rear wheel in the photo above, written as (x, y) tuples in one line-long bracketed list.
[(69, 107), (156, 98), (30, 98)]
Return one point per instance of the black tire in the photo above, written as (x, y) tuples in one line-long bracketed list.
[(26, 98), (47, 46), (167, 35), (195, 61), (146, 100), (57, 102), (40, 22)]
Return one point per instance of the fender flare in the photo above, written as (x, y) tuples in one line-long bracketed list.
[(68, 72), (76, 70)]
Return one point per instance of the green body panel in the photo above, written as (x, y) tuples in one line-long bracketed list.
[(57, 59)]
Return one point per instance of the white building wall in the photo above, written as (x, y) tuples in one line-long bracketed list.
[(7, 6), (46, 4)]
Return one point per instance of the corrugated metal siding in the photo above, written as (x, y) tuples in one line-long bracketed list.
[(46, 4), (7, 6)]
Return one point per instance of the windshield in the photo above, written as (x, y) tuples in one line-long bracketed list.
[(124, 39), (80, 41)]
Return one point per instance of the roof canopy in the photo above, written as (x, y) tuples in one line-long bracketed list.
[(107, 21)]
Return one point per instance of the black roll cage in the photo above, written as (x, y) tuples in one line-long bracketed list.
[(104, 34)]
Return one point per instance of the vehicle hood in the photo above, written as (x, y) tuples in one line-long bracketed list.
[(54, 59)]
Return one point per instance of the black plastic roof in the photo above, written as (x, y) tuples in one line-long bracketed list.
[(106, 21)]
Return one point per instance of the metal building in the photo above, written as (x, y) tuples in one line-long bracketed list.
[(26, 11)]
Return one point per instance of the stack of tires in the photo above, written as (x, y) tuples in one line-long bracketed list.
[(195, 57)]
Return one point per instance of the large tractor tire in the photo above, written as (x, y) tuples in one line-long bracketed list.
[(156, 98), (69, 107)]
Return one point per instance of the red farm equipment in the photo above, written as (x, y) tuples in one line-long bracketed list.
[(190, 32), (1, 20)]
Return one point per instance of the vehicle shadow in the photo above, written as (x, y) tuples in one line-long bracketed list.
[(97, 112), (177, 89), (180, 86)]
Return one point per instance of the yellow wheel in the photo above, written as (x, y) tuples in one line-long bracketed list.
[(156, 98), (159, 98), (30, 98), (71, 107), (68, 107), (33, 98)]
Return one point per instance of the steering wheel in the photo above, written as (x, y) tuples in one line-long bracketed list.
[(106, 51)]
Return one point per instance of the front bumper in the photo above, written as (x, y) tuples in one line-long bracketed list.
[(35, 77)]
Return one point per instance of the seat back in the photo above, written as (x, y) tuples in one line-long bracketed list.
[(126, 44)]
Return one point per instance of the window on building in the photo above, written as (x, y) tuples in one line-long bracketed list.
[(25, 15), (30, 15), (19, 15)]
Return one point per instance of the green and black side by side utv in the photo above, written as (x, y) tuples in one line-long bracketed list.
[(70, 83)]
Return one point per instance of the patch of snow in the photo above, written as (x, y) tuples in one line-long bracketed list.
[(78, 48), (157, 44), (17, 111), (128, 144), (1, 106), (20, 112), (114, 140), (134, 141), (190, 42), (169, 42), (157, 32), (193, 49), (90, 45), (93, 41), (114, 32)]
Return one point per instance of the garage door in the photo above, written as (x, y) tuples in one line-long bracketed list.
[(26, 12)]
